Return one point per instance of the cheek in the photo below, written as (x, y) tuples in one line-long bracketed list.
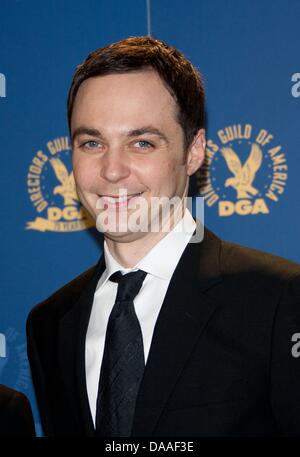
[(83, 171), (164, 173), (176, 176), (175, 170), (161, 168)]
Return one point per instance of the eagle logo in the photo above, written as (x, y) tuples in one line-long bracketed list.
[(244, 175), (67, 189)]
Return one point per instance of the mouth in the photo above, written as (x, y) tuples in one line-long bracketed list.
[(111, 201)]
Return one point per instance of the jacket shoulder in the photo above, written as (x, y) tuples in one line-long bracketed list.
[(64, 298), (236, 258)]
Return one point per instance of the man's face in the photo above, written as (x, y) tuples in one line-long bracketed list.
[(126, 136)]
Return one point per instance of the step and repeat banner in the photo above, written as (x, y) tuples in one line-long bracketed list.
[(248, 53)]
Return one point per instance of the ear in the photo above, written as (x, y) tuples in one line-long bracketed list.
[(196, 153)]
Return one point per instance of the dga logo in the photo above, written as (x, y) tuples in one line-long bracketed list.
[(51, 189), (244, 171), (14, 366)]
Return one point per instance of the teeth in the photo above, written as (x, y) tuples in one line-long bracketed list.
[(118, 199), (115, 200)]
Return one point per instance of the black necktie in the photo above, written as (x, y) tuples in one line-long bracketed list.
[(123, 360)]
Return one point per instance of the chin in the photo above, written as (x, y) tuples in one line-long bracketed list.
[(122, 237)]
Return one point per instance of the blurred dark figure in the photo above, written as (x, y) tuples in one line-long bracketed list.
[(15, 414)]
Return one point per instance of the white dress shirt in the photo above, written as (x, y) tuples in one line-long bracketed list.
[(160, 263)]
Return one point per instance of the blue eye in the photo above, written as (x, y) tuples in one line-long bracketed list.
[(145, 144), (90, 144)]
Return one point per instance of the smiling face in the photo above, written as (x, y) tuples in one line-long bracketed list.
[(125, 135)]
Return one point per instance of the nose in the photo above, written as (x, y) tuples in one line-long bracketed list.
[(115, 165)]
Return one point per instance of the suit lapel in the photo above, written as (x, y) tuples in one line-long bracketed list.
[(71, 344), (184, 314)]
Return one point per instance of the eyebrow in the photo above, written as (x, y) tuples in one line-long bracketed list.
[(85, 131), (130, 134)]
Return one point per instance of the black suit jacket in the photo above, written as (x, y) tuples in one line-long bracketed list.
[(15, 414), (220, 362)]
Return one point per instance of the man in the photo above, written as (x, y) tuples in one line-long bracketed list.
[(16, 418), (163, 337)]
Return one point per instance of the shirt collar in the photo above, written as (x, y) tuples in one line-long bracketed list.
[(170, 247)]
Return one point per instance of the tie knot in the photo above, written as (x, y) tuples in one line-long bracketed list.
[(129, 284)]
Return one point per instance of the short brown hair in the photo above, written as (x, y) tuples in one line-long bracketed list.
[(181, 78)]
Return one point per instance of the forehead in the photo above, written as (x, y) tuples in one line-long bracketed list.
[(113, 98)]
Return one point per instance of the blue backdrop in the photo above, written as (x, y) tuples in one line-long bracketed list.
[(248, 54)]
